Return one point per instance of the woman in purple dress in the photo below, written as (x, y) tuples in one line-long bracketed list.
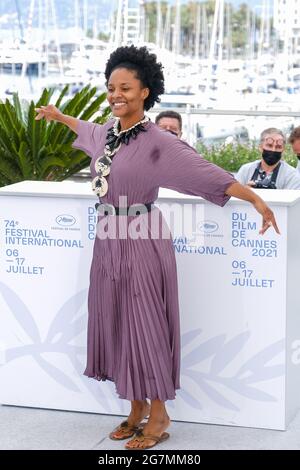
[(133, 325)]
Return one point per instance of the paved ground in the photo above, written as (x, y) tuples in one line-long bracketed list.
[(28, 428)]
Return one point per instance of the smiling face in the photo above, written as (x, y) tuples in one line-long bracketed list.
[(126, 94)]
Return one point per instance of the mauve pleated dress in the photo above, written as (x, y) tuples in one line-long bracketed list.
[(133, 324)]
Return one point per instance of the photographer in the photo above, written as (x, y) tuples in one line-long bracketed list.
[(271, 172)]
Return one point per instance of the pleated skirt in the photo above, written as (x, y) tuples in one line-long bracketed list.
[(133, 317)]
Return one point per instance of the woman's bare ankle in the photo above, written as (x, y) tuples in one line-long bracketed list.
[(139, 411)]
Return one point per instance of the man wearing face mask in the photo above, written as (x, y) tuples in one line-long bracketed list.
[(271, 172), (294, 140)]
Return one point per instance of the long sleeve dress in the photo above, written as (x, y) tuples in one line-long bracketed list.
[(133, 320)]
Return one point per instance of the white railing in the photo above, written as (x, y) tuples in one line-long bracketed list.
[(188, 114), (259, 120)]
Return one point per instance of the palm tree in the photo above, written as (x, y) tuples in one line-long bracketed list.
[(37, 150)]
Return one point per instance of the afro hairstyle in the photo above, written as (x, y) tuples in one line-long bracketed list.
[(146, 67)]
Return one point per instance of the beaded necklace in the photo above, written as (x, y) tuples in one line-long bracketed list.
[(114, 139)]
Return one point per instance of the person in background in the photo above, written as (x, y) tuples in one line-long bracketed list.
[(271, 172), (294, 140), (170, 121)]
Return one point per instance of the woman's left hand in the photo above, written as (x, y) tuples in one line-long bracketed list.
[(236, 189), (267, 215)]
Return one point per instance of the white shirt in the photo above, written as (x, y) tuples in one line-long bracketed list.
[(287, 178)]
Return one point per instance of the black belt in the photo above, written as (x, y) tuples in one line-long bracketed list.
[(134, 209)]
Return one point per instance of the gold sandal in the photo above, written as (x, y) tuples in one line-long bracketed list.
[(140, 437), (126, 430)]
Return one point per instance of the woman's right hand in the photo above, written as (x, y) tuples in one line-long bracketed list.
[(49, 112)]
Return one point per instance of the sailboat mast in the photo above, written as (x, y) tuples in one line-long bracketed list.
[(46, 32), (287, 43), (58, 49), (253, 35), (142, 24), (20, 20), (40, 28), (158, 23), (205, 37), (221, 33), (95, 24), (85, 17), (268, 25), (118, 30), (167, 25), (125, 22), (27, 39), (262, 29), (76, 11), (214, 33), (176, 37), (248, 34), (212, 48), (228, 31), (197, 31)]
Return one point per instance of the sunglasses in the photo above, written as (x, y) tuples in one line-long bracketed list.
[(269, 142)]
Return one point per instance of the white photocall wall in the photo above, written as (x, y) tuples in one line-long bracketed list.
[(235, 304)]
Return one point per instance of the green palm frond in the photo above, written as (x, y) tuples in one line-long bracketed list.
[(24, 161), (9, 169), (93, 107), (9, 121), (73, 108), (61, 96), (18, 107), (37, 150)]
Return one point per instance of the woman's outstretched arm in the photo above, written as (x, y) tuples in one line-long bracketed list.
[(51, 113)]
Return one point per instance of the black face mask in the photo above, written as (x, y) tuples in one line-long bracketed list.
[(271, 157)]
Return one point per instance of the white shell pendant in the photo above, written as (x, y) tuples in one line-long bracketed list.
[(102, 165), (100, 186)]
